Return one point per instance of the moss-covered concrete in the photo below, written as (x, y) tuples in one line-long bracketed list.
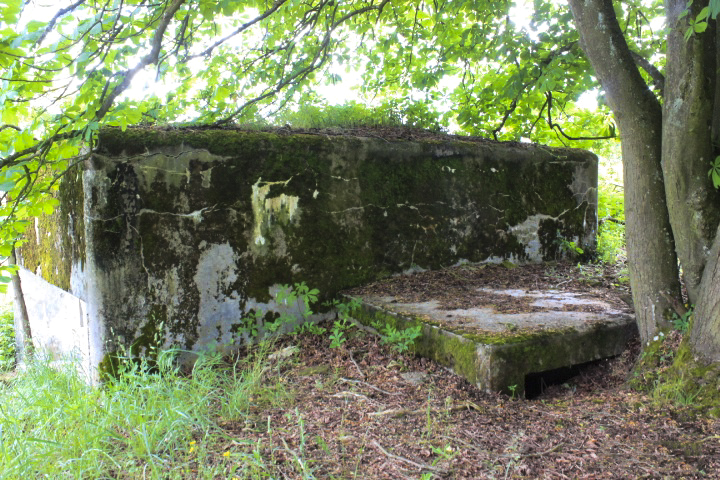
[(195, 227), (500, 360), (56, 242)]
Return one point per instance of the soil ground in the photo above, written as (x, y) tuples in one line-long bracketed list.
[(366, 411)]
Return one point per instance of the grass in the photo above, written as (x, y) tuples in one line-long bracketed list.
[(147, 423), (7, 339)]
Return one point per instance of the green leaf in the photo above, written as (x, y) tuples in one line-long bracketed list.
[(688, 33), (9, 10)]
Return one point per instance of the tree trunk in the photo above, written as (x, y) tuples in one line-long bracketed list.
[(690, 127), (651, 250), (705, 333), (23, 333), (693, 203)]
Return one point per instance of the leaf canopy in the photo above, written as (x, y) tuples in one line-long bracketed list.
[(68, 71)]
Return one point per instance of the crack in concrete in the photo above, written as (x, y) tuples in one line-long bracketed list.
[(385, 208), (196, 216)]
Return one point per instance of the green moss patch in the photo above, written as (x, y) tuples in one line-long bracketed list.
[(671, 374), (57, 241)]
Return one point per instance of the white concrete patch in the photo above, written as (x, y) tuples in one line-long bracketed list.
[(527, 234), (265, 209), (216, 273), (59, 322)]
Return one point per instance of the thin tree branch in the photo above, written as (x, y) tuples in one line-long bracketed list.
[(298, 76), (514, 103), (508, 112), (657, 77), (60, 13), (148, 59), (556, 126), (421, 466), (240, 29), (24, 80)]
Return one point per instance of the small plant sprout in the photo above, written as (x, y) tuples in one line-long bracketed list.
[(681, 323), (401, 340), (714, 172)]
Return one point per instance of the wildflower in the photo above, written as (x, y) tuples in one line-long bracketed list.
[(226, 454)]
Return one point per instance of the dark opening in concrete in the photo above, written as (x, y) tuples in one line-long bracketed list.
[(536, 383)]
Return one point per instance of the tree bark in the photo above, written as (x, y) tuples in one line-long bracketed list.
[(716, 108), (651, 250), (693, 203), (705, 333), (23, 333)]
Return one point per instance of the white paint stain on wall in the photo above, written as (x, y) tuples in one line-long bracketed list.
[(281, 209)]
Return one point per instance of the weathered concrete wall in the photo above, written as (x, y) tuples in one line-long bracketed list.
[(59, 322), (184, 232)]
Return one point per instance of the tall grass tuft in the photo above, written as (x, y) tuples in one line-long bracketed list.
[(146, 423)]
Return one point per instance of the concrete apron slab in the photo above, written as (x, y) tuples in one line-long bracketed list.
[(497, 351)]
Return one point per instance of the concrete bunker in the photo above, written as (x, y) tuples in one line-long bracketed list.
[(175, 235)]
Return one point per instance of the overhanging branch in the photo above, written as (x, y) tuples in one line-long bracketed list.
[(148, 59), (657, 77), (556, 126)]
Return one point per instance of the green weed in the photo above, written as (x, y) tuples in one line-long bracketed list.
[(681, 323), (7, 339), (401, 340)]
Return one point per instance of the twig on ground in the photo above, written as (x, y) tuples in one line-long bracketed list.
[(399, 412), (557, 474), (467, 444), (540, 454), (349, 380), (422, 466), (352, 358), (359, 396)]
